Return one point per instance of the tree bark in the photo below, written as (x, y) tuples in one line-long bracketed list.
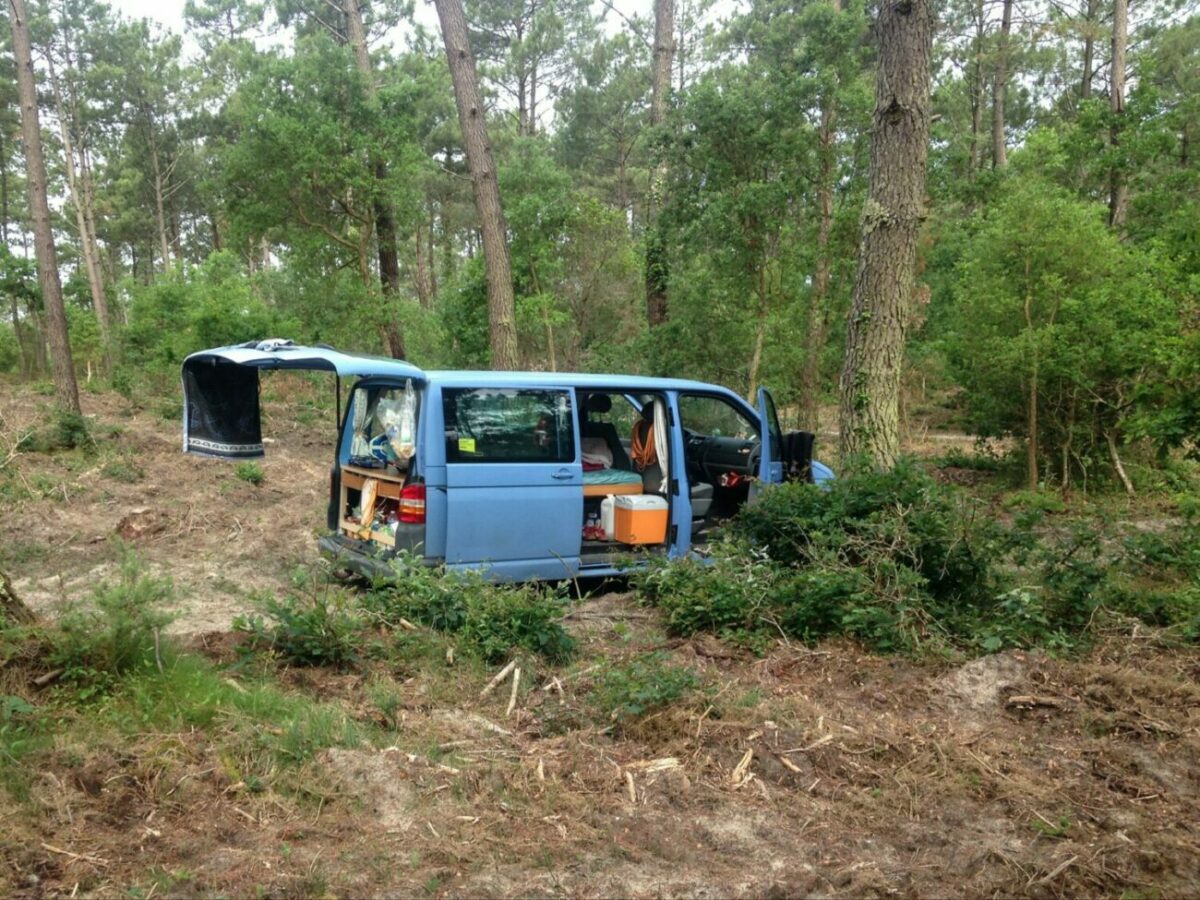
[(66, 389), (385, 217), (3, 188), (91, 257), (891, 226), (1118, 195), (818, 320), (1000, 88), (657, 272), (160, 208), (1089, 51), (976, 84), (501, 306)]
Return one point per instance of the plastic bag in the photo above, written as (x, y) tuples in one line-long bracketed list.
[(397, 418)]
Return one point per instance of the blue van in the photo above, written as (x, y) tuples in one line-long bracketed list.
[(525, 475)]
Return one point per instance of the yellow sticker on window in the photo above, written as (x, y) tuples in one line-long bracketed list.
[(466, 445)]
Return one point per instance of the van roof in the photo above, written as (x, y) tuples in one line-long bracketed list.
[(634, 383), (285, 354)]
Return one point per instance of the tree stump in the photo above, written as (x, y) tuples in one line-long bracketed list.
[(12, 610)]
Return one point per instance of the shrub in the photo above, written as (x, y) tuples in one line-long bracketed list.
[(68, 431), (647, 683), (116, 633), (492, 619), (313, 630), (250, 472)]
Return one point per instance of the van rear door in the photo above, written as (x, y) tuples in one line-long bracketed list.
[(221, 411)]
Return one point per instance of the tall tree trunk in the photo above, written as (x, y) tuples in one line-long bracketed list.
[(3, 188), (18, 334), (385, 217), (1031, 422), (423, 275), (818, 319), (1089, 52), (891, 226), (501, 306), (977, 89), (1118, 193), (1000, 88), (78, 195), (160, 188), (43, 237), (657, 272)]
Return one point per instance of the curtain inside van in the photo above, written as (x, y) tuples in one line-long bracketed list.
[(662, 443)]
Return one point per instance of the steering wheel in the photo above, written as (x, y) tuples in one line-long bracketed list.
[(754, 460)]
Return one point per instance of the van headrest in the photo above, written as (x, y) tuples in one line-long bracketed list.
[(599, 403)]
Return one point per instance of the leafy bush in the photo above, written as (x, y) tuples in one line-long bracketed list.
[(250, 472), (68, 431), (881, 522), (904, 564), (312, 630), (492, 619), (116, 632), (646, 683)]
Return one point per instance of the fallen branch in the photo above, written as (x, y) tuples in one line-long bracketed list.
[(739, 771), (1057, 870), (43, 680), (82, 857), (500, 676), (1029, 701), (512, 698)]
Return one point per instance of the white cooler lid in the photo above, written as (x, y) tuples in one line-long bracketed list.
[(640, 501)]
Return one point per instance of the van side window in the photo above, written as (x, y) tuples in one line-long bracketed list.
[(508, 425)]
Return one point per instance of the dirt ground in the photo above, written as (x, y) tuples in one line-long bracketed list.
[(807, 772), (221, 539)]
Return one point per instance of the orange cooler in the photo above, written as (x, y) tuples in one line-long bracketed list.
[(640, 519)]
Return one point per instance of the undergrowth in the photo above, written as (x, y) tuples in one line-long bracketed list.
[(905, 564)]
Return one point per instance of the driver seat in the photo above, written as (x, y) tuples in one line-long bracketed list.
[(700, 492)]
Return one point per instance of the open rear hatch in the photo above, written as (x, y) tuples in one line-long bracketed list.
[(221, 410)]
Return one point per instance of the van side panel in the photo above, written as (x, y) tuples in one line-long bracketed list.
[(517, 521)]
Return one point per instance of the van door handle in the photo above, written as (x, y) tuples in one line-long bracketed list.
[(563, 474)]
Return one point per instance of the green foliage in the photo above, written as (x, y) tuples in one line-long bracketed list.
[(122, 469), (192, 308), (115, 632), (68, 431), (903, 564), (318, 628), (1052, 311), (629, 690), (249, 472), (492, 620)]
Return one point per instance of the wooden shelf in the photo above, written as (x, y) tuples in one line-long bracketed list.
[(388, 486), (354, 530)]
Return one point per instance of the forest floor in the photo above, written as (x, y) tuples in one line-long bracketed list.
[(805, 771)]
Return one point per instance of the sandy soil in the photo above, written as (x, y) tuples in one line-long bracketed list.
[(219, 538)]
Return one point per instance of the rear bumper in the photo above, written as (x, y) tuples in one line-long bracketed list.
[(367, 559)]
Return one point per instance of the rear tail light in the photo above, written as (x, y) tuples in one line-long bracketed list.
[(412, 504)]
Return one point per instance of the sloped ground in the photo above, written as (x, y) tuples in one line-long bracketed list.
[(807, 772), (220, 538)]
